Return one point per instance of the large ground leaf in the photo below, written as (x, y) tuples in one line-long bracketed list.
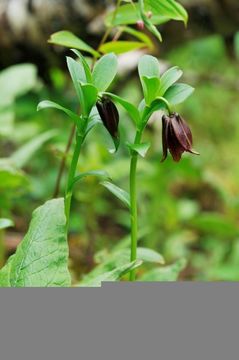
[(42, 256)]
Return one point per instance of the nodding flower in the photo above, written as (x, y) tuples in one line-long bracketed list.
[(109, 115), (176, 136)]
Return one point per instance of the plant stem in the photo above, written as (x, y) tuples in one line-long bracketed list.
[(133, 203), (71, 176)]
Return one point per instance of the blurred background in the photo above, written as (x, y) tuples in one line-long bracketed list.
[(188, 210)]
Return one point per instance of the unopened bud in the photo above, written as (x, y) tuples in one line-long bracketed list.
[(140, 25)]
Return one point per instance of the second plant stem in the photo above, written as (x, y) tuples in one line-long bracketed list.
[(133, 204), (71, 176)]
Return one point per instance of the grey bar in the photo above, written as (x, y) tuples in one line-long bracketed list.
[(120, 321)]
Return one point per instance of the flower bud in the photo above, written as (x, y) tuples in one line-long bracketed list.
[(109, 115), (176, 136), (140, 25)]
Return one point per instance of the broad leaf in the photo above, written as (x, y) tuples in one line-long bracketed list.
[(68, 39), (168, 79), (21, 157), (148, 67), (118, 192), (177, 93), (105, 71), (46, 104), (42, 256)]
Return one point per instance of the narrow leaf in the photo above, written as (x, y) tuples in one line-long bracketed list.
[(121, 47), (85, 65), (111, 276), (96, 173), (118, 192), (167, 273), (46, 104), (168, 79), (130, 108), (68, 39), (177, 93), (90, 93)]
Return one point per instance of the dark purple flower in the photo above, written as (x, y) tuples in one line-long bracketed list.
[(109, 115), (177, 137)]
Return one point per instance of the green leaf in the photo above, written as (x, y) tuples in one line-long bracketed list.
[(20, 157), (42, 256), (114, 275), (177, 93), (139, 35), (68, 39), (11, 178), (148, 67), (5, 223), (121, 47), (148, 255), (16, 81), (85, 65), (141, 149), (130, 108), (78, 76), (46, 104), (150, 88), (118, 192), (105, 71), (170, 8), (90, 93), (129, 14), (167, 273), (97, 173), (169, 78)]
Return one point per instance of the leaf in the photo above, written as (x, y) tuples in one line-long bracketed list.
[(5, 223), (129, 14), (85, 65), (177, 93), (121, 46), (11, 178), (42, 256), (148, 67), (141, 149), (130, 108), (78, 77), (169, 78), (16, 81), (90, 93), (97, 173), (46, 104), (150, 88), (114, 275), (139, 35), (167, 273), (68, 39), (170, 8), (24, 154), (105, 71), (148, 255), (118, 192)]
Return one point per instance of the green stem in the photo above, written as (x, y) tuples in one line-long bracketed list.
[(71, 176), (133, 204)]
